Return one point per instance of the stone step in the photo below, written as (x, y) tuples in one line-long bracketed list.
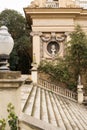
[(63, 115), (68, 114), (59, 120), (36, 105), (78, 114), (25, 90), (51, 115), (44, 112), (73, 114), (30, 101)]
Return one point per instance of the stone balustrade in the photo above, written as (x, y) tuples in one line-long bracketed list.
[(52, 4), (57, 89)]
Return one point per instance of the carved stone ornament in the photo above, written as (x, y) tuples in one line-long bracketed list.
[(53, 37), (46, 37), (34, 4), (37, 3), (60, 37)]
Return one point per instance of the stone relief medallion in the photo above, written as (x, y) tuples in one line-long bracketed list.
[(53, 48), (52, 43)]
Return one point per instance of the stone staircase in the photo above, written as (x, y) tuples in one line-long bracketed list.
[(47, 106)]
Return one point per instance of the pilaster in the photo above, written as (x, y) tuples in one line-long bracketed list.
[(36, 45)]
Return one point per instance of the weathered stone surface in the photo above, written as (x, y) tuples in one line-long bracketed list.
[(10, 92), (10, 74)]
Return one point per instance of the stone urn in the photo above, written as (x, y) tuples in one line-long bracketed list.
[(6, 46)]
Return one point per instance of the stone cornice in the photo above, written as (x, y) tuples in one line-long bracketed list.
[(55, 10), (46, 13)]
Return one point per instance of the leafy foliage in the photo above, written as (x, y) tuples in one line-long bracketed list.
[(19, 30), (77, 52), (2, 124), (12, 118), (14, 21), (58, 72)]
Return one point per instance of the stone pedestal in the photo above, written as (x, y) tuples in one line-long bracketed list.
[(10, 85), (34, 74), (80, 94)]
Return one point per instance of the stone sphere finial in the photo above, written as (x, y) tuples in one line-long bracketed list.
[(6, 45), (6, 41), (4, 28)]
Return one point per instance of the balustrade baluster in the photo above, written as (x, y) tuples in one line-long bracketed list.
[(63, 91), (57, 89), (66, 93), (71, 95), (45, 84), (49, 85), (54, 87)]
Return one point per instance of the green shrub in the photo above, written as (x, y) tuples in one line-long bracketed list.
[(12, 118), (2, 124), (59, 72)]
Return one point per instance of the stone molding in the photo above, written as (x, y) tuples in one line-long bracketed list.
[(35, 33)]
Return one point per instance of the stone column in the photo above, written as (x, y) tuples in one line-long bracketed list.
[(36, 45), (10, 92)]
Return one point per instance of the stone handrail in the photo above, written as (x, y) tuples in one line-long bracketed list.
[(26, 122), (57, 89), (52, 4)]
